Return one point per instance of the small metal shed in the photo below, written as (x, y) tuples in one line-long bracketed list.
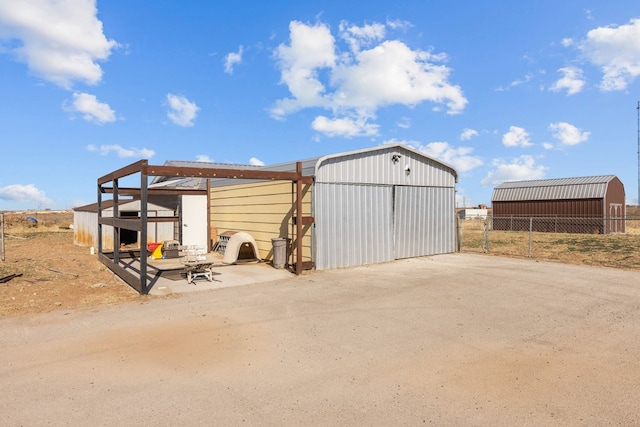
[(85, 224), (592, 204), (366, 206)]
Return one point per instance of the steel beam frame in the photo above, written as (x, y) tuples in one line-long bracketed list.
[(139, 224)]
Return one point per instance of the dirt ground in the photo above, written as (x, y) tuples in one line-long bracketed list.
[(55, 274)]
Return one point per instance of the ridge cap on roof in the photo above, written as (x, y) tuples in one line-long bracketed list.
[(558, 182)]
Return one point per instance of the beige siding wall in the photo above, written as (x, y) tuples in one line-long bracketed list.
[(262, 209)]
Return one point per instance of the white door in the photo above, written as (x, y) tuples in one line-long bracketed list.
[(194, 221)]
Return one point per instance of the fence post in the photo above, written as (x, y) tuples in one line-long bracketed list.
[(458, 234), (485, 242), (530, 235), (2, 236)]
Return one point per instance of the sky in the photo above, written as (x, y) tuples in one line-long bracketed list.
[(500, 90)]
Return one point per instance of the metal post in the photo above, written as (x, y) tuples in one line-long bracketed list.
[(530, 235), (2, 235), (99, 218), (458, 234), (143, 231), (486, 235), (116, 229), (299, 219)]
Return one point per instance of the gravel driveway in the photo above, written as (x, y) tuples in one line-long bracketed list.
[(446, 340)]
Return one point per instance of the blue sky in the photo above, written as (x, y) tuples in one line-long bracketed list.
[(501, 90)]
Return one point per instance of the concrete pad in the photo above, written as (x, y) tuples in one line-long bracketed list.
[(223, 276)]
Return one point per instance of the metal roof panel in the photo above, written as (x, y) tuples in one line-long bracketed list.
[(588, 187)]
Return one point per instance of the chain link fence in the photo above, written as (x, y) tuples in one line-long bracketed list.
[(611, 242)]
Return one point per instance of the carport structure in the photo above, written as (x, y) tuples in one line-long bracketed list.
[(109, 184)]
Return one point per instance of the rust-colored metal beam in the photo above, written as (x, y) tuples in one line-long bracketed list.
[(306, 220), (131, 279), (127, 224), (152, 218), (122, 172), (128, 191), (173, 171), (299, 219), (140, 223)]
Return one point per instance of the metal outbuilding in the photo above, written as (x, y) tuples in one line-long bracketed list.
[(341, 210), (366, 206), (592, 204), (85, 224)]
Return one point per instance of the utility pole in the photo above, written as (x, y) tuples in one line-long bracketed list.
[(638, 108)]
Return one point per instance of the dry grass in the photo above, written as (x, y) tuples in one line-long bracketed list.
[(611, 250), (47, 221), (54, 273)]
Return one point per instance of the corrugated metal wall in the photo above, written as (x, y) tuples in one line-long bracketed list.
[(423, 220), (85, 226), (542, 208), (354, 224), (379, 167), (380, 205)]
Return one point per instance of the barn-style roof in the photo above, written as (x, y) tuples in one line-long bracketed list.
[(588, 187)]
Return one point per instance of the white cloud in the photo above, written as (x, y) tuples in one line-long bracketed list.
[(547, 145), (256, 162), (521, 168), (355, 83), (516, 137), (345, 127), (397, 24), (203, 158), (616, 50), (568, 134), (357, 37), (91, 109), (311, 48), (104, 150), (61, 41), (24, 193), (182, 112), (404, 123), (526, 79), (460, 158), (572, 81), (232, 59), (566, 42), (392, 73), (467, 134)]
